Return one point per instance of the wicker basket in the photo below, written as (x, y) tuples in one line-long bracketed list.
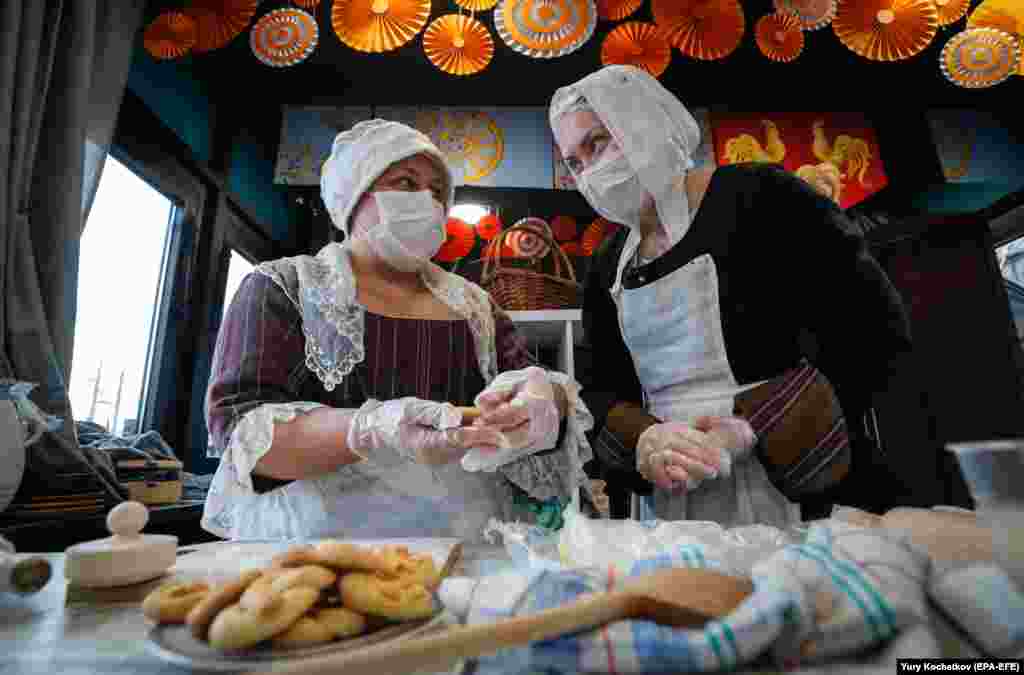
[(519, 289)]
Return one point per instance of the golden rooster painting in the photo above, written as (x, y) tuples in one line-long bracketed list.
[(851, 155), (747, 148)]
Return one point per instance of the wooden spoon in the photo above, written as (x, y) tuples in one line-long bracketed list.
[(674, 597)]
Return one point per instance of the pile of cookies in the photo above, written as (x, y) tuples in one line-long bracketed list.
[(310, 595)]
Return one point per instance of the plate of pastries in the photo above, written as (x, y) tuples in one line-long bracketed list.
[(310, 600)]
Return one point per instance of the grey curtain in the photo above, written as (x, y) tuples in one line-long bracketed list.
[(63, 68)]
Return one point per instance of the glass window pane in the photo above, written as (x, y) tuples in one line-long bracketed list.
[(120, 271), (1011, 264), (238, 268)]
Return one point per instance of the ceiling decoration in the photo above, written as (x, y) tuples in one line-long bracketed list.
[(219, 21), (639, 44), (980, 57), (377, 26), (545, 29), (951, 11), (477, 5), (779, 36), (284, 37), (701, 29), (886, 30), (307, 4), (458, 44), (170, 36), (813, 14), (617, 10), (1006, 15)]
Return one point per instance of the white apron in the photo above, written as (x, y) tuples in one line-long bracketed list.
[(673, 330)]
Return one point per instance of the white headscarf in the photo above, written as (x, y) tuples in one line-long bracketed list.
[(656, 133), (362, 154)]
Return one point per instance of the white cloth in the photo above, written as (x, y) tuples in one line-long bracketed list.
[(673, 330), (360, 155), (985, 603), (656, 133), (373, 499)]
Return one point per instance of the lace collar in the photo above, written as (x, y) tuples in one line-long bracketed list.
[(323, 289)]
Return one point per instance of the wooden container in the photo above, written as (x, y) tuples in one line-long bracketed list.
[(152, 481)]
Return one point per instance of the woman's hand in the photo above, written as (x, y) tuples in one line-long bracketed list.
[(678, 456), (522, 404), (423, 431)]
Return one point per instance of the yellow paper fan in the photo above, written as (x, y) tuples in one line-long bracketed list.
[(477, 5), (886, 30), (458, 44), (701, 29), (218, 22), (617, 10), (639, 44), (951, 11), (545, 29), (170, 35), (976, 58), (1006, 15), (779, 37), (378, 25)]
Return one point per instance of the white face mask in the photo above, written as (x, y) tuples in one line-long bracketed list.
[(614, 190), (410, 231)]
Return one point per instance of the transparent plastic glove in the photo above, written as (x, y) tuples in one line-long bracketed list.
[(677, 456), (521, 405), (413, 429)]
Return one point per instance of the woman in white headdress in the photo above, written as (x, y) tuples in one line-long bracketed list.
[(336, 377), (721, 280)]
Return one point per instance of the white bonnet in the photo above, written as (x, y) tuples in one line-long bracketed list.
[(360, 155)]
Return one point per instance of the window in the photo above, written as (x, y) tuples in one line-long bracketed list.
[(120, 274), (1011, 265), (238, 268), (469, 213)]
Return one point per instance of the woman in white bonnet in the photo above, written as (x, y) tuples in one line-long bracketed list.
[(722, 279), (336, 377)]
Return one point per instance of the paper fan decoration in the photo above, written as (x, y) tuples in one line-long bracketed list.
[(489, 227), (458, 44), (813, 14), (779, 36), (573, 248), (171, 35), (980, 57), (639, 44), (477, 5), (1006, 15), (545, 29), (596, 233), (617, 10), (886, 30), (563, 228), (218, 22), (377, 26), (951, 11), (701, 29), (459, 241), (307, 4), (527, 244), (284, 37)]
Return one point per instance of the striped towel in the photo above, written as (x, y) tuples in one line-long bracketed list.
[(839, 592)]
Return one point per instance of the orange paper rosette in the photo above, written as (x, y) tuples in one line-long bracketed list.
[(596, 233), (307, 4), (701, 29), (218, 22), (639, 44), (545, 29), (458, 44), (377, 26), (886, 30), (951, 11), (980, 57), (477, 5), (1006, 15), (459, 241), (171, 35), (489, 227), (617, 10), (779, 37), (813, 14), (284, 37)]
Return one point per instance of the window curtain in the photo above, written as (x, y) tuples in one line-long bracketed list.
[(63, 68)]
